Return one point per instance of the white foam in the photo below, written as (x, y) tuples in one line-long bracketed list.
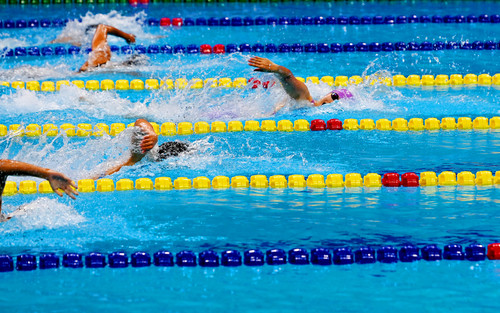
[(42, 213)]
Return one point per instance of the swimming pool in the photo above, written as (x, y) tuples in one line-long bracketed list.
[(262, 216)]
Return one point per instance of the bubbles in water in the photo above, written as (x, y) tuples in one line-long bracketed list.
[(41, 213)]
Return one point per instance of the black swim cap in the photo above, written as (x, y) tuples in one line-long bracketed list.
[(171, 149)]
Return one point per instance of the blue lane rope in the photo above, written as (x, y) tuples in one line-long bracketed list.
[(260, 48), (283, 20), (254, 257)]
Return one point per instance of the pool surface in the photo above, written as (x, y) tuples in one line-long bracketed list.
[(316, 246)]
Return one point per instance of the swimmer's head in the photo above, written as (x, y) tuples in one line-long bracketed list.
[(171, 149), (343, 93)]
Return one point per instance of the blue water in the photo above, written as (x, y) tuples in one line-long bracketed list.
[(243, 219)]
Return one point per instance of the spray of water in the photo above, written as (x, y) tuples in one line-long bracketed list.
[(42, 213)]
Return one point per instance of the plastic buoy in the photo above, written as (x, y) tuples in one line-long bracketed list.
[(453, 252), (317, 125), (387, 254), (298, 256), (219, 49), (182, 183), (275, 257), (163, 258), (95, 260), (353, 180), (334, 181), (177, 21), (391, 180), (409, 253), (26, 262), (140, 259), (334, 124), (6, 263), (321, 256), (205, 49), (185, 258), (253, 258), (431, 253), (475, 252), (494, 251), (409, 180), (231, 258), (277, 181), (118, 260), (365, 255), (372, 180), (208, 258), (73, 260)]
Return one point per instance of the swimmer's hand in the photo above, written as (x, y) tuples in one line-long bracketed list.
[(263, 65), (60, 182), (148, 142), (4, 218), (130, 38)]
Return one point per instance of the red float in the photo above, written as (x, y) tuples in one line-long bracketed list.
[(144, 1), (334, 124), (410, 180), (494, 251), (164, 21), (205, 49), (391, 180), (219, 49), (317, 125), (177, 21)]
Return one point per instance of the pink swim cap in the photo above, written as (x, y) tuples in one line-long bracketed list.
[(343, 93)]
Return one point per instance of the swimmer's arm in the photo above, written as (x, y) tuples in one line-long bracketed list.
[(279, 106), (326, 99), (84, 67), (116, 32), (293, 87), (57, 180), (147, 143), (3, 178)]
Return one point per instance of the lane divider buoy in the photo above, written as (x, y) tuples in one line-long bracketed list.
[(253, 257), (187, 128), (351, 180), (47, 51), (272, 20), (454, 81)]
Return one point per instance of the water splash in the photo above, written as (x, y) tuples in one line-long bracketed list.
[(80, 32), (39, 214)]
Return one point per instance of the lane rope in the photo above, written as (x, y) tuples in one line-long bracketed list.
[(427, 81), (315, 181), (270, 126), (254, 257), (273, 20), (259, 48)]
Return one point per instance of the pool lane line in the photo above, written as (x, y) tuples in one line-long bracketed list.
[(314, 181), (254, 257), (425, 81), (194, 49), (168, 129), (273, 20)]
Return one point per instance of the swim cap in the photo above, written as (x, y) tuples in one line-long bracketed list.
[(343, 93)]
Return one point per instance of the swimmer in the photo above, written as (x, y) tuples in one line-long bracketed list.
[(101, 52), (59, 182), (296, 89), (144, 142)]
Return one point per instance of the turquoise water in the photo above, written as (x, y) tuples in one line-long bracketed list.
[(243, 219)]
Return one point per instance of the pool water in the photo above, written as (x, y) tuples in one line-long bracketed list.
[(252, 218)]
